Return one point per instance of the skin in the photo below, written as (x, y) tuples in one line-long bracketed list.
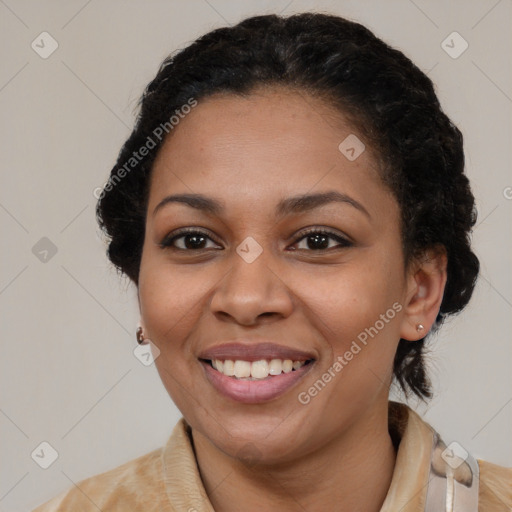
[(335, 452)]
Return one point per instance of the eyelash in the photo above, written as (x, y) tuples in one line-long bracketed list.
[(169, 240)]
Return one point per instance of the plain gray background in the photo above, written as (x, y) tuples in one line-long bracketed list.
[(69, 376)]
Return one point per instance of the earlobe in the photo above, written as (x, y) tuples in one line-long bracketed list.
[(425, 289), (139, 335)]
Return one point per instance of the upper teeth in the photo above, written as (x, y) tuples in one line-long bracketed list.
[(256, 369)]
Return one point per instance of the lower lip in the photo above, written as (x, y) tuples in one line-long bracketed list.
[(254, 391)]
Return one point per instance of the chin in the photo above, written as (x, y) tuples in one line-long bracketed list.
[(268, 441)]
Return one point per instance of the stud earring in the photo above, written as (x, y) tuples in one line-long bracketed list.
[(140, 335), (420, 327)]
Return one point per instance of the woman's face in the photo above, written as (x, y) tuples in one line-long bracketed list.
[(298, 259)]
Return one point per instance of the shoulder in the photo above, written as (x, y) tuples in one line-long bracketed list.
[(495, 488), (135, 485)]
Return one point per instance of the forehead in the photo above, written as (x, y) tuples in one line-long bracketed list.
[(264, 119), (267, 144)]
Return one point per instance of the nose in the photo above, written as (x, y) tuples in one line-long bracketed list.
[(251, 293)]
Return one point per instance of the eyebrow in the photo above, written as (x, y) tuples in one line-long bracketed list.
[(295, 204)]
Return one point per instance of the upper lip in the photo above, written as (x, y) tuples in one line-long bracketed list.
[(252, 351)]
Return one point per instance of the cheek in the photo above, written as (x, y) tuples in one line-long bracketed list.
[(360, 302), (170, 302), (170, 299)]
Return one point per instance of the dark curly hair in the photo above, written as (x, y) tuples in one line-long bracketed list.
[(387, 98)]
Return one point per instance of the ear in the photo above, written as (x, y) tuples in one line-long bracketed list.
[(426, 279)]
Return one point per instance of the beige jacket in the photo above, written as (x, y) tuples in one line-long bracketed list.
[(168, 480)]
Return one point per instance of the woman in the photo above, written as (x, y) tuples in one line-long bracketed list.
[(293, 209)]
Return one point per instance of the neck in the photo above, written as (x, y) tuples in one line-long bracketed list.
[(351, 473)]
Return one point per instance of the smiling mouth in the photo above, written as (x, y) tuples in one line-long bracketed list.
[(263, 369)]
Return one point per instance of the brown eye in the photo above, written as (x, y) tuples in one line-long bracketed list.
[(188, 240), (319, 240)]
